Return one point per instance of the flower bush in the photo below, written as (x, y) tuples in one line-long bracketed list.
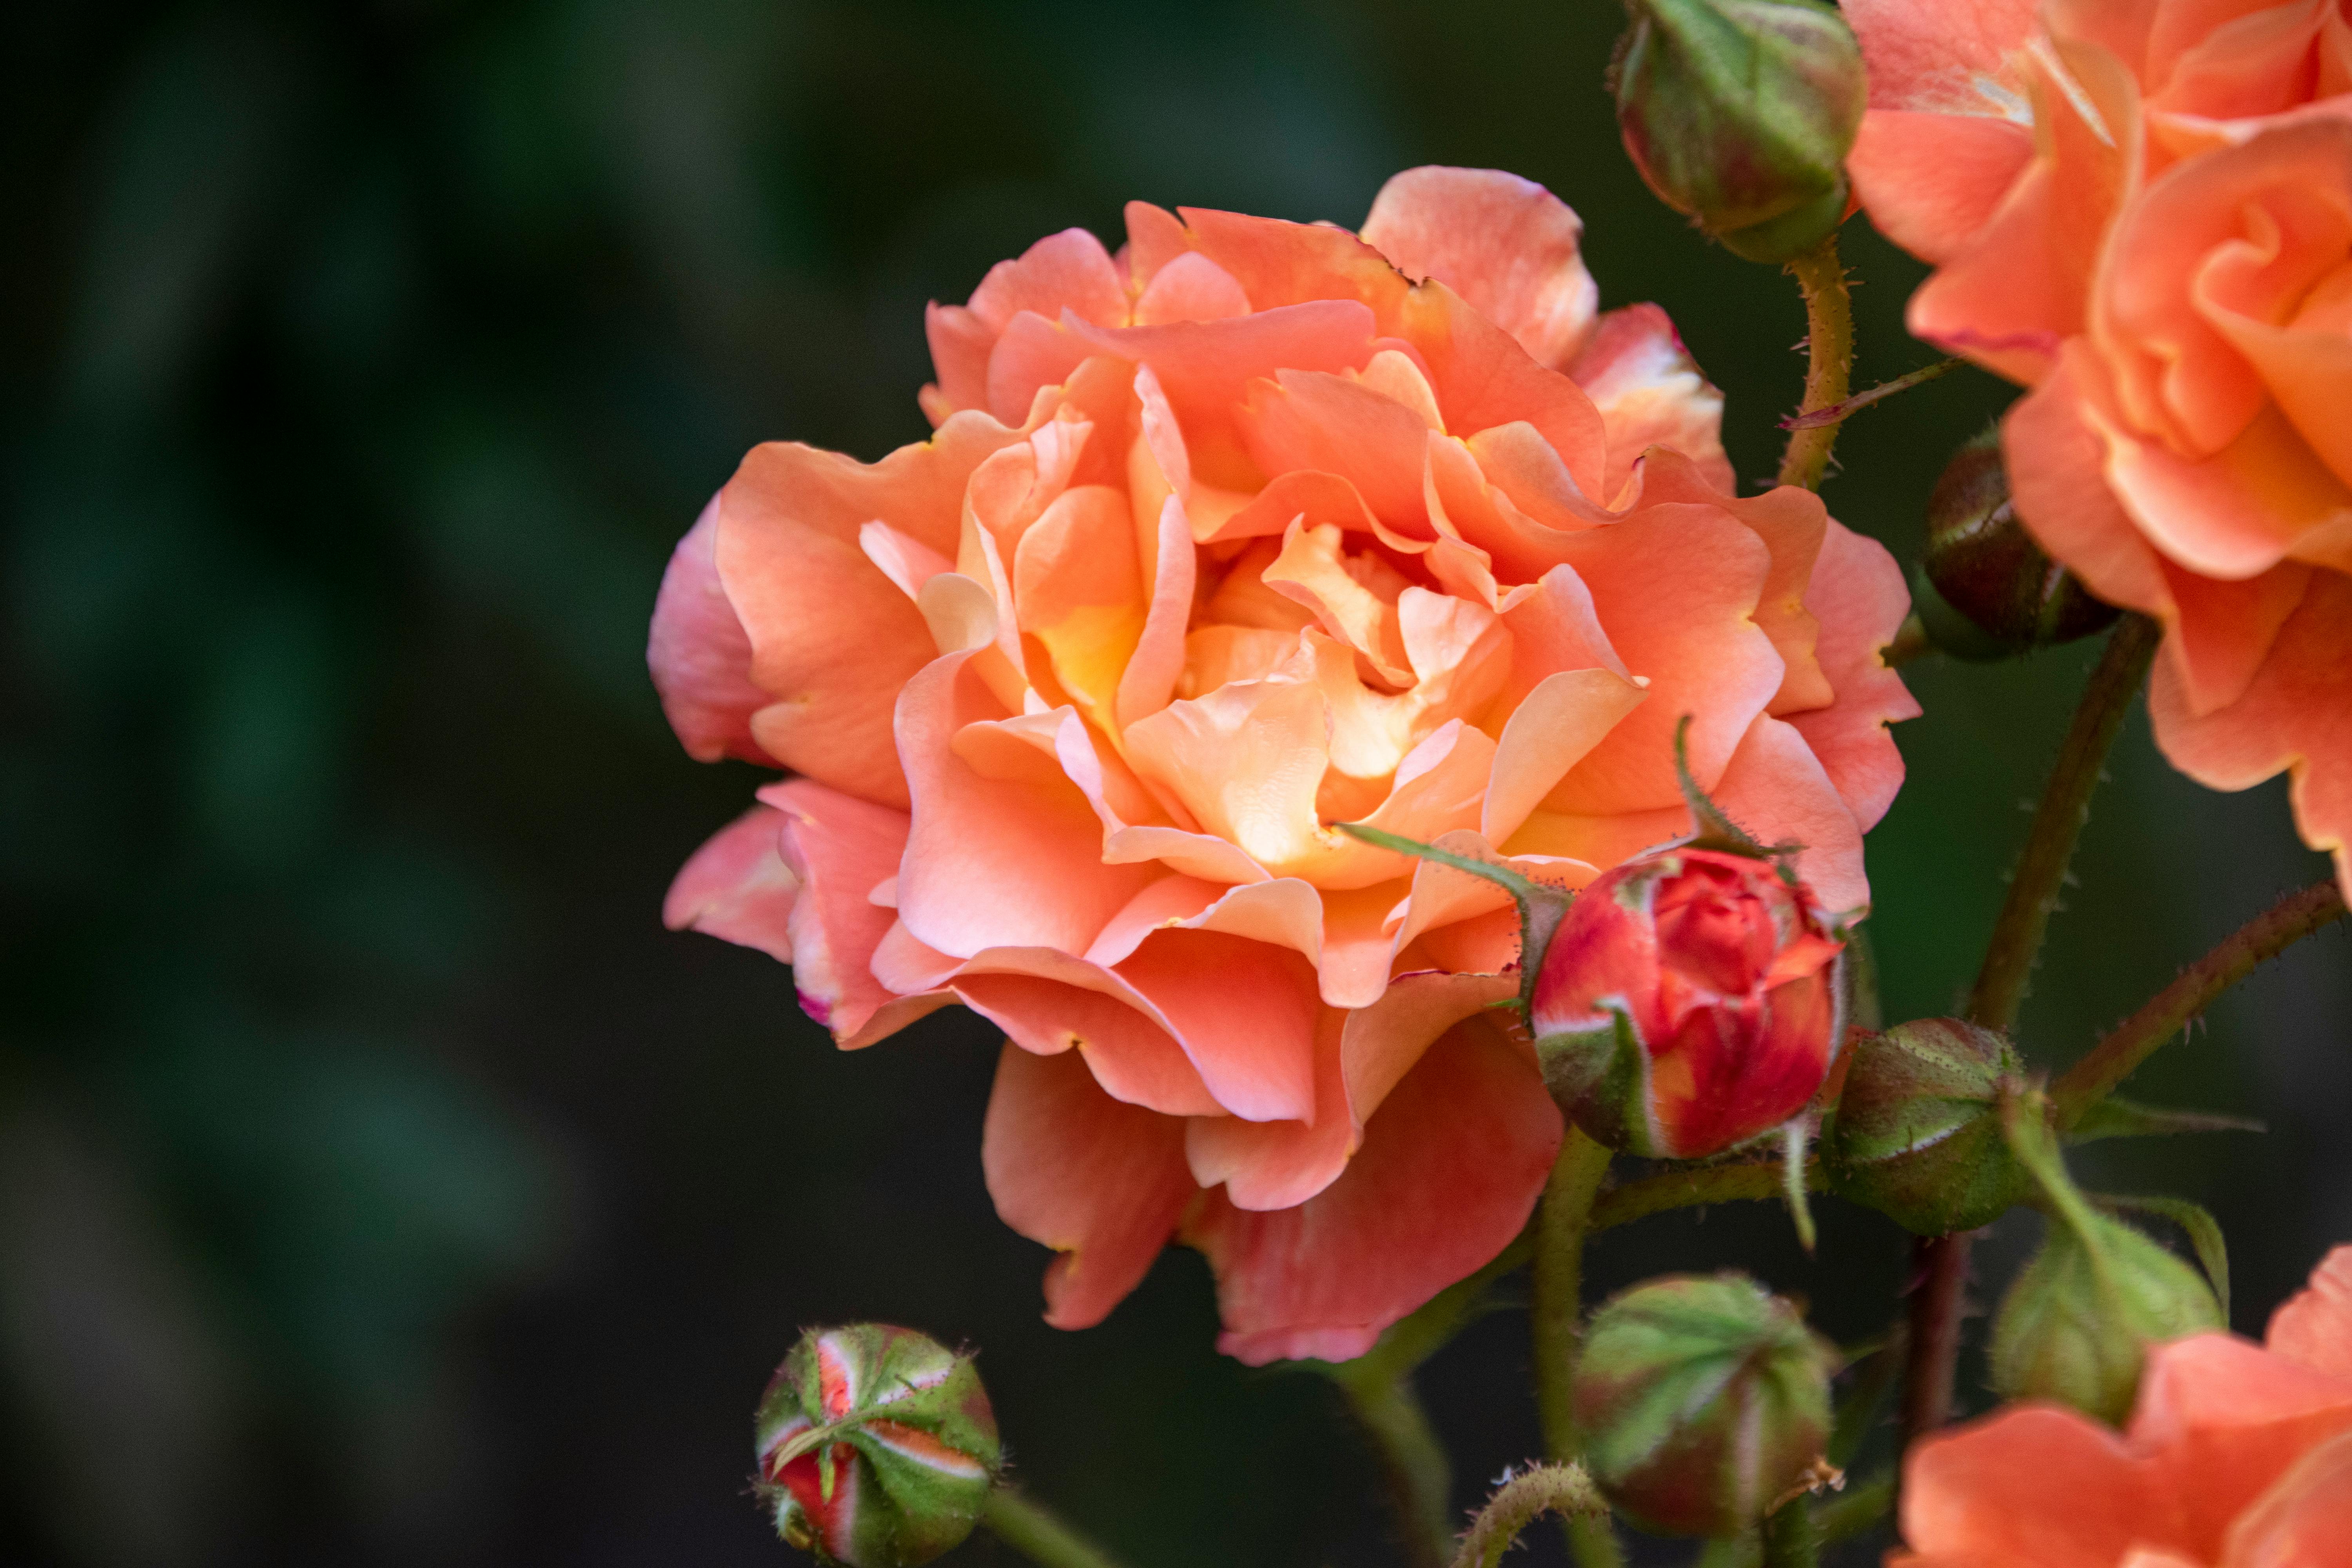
[(2143, 211), (2238, 1455), (1248, 530)]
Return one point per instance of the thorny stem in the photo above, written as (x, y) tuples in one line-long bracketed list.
[(1038, 1534), (1555, 1321), (1829, 345), (2265, 937), (1563, 1489), (2058, 822), (1420, 1477), (1790, 1539), (1683, 1189), (1379, 1388), (1940, 1263)]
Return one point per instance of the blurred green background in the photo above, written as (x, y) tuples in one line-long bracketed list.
[(378, 1181)]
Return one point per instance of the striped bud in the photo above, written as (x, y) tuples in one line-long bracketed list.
[(876, 1447), (1917, 1132), (1703, 1402)]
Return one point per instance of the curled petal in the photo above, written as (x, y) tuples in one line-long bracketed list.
[(737, 887), (1505, 245), (700, 656), (1650, 394), (2314, 1327)]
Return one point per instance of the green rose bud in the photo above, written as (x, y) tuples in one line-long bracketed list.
[(1740, 113), (1917, 1133), (2077, 1321), (1984, 589), (1703, 1402), (876, 1447)]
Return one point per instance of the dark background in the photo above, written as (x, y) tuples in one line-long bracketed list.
[(378, 1183)]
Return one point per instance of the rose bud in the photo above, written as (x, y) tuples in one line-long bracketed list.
[(876, 1447), (1917, 1134), (2078, 1319), (1740, 113), (1690, 1000), (1702, 1402), (1985, 590)]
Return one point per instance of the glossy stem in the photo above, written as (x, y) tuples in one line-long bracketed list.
[(1563, 1489), (1037, 1533), (2167, 1012), (1556, 1319), (1829, 367), (2058, 821), (1413, 1463), (1790, 1539)]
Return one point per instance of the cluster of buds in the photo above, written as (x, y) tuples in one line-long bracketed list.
[(1984, 589), (1739, 113), (1703, 1402), (876, 1447)]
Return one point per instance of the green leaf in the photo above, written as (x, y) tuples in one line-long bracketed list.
[(2116, 1117)]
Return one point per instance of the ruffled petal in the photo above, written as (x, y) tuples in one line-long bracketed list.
[(1952, 56), (2221, 1421), (1099, 1182), (2295, 714), (1505, 245), (699, 655), (2313, 1328), (843, 848), (737, 887), (1650, 394), (2303, 1521), (1857, 596), (1930, 180), (1449, 1171), (2033, 1487)]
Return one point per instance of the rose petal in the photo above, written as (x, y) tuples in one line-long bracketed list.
[(1505, 245)]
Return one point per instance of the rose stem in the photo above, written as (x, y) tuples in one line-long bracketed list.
[(2134, 1040), (1790, 1539), (1564, 1489), (1940, 1263), (1037, 1533), (1556, 1319), (1379, 1392), (1829, 348)]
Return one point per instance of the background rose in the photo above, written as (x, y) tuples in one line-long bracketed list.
[(2144, 212), (2237, 1455), (1236, 534)]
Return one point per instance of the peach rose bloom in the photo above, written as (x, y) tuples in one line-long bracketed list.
[(1251, 529), (2238, 1455), (2142, 209)]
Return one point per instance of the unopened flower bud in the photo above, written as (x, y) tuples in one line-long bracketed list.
[(1985, 589), (876, 1447), (2077, 1321), (1690, 1001), (1917, 1131), (1740, 113), (1702, 1401)]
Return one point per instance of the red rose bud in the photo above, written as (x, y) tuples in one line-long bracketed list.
[(1690, 1000), (876, 1447), (1917, 1131), (1740, 113), (1702, 1403), (1985, 590)]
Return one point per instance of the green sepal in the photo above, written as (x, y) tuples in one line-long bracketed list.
[(2075, 1324), (1711, 827), (2115, 1118), (1793, 1181), (1600, 1078), (1541, 908), (2197, 1223)]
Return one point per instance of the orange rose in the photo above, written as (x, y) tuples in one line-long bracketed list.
[(2237, 1457), (1235, 535), (2143, 210)]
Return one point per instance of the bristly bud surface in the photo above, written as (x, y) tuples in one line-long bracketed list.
[(1702, 1401), (1916, 1135), (1740, 113), (876, 1447)]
